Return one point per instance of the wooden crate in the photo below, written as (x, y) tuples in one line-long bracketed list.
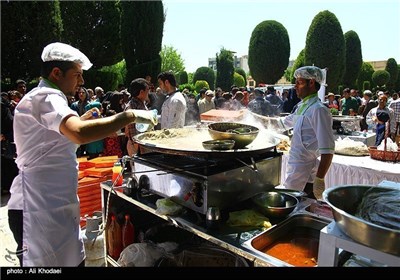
[(98, 172), (106, 161), (89, 193)]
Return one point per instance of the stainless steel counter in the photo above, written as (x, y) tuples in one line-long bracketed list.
[(228, 237)]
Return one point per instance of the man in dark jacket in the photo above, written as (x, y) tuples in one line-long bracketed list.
[(9, 168), (363, 110), (259, 105), (275, 101), (291, 101)]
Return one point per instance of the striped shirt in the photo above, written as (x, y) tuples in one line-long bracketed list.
[(395, 105)]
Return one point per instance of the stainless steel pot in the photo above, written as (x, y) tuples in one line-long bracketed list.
[(344, 201), (243, 134), (275, 204)]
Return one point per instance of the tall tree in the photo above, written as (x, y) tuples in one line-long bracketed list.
[(238, 80), (397, 86), (206, 74), (325, 47), (381, 78), (391, 67), (225, 69), (183, 77), (94, 28), (269, 51), (299, 62), (24, 35), (365, 74), (353, 58), (142, 24), (241, 71), (171, 60)]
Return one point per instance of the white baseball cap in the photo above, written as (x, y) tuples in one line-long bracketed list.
[(63, 52)]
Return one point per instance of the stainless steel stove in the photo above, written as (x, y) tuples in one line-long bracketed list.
[(202, 182)]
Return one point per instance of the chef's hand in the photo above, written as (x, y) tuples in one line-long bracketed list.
[(91, 114), (144, 116), (318, 187)]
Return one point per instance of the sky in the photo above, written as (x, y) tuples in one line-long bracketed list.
[(198, 30)]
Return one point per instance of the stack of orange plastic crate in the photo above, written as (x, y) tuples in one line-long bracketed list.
[(91, 173)]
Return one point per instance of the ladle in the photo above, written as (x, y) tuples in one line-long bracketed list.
[(239, 130)]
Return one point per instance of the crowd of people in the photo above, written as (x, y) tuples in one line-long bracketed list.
[(60, 119), (380, 111)]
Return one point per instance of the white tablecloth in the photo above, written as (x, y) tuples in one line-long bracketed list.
[(347, 170)]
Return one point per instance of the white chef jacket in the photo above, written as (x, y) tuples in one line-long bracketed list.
[(312, 136), (173, 111), (46, 187)]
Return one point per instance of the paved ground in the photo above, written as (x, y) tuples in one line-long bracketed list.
[(7, 242), (95, 255)]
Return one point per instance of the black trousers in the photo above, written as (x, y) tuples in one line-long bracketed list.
[(15, 222), (9, 171)]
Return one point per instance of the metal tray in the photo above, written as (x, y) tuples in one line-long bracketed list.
[(300, 224), (346, 118)]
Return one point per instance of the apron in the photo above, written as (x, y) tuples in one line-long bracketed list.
[(51, 231), (302, 163), (380, 133)]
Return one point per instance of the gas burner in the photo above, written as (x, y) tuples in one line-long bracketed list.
[(200, 183)]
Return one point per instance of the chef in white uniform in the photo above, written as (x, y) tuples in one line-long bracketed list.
[(44, 207), (312, 136)]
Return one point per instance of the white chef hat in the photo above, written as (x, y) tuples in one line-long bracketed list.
[(309, 72), (63, 52)]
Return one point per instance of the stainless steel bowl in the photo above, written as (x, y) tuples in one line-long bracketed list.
[(275, 204), (219, 144), (298, 194), (242, 134), (344, 201)]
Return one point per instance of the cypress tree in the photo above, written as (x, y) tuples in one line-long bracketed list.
[(240, 71), (391, 67), (183, 77), (381, 78), (365, 74), (24, 37), (299, 62), (269, 51), (225, 69), (94, 28), (206, 74), (353, 58), (325, 47), (142, 24)]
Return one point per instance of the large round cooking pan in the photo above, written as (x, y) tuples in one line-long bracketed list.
[(345, 201), (188, 141)]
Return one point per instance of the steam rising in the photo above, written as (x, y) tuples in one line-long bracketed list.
[(270, 127)]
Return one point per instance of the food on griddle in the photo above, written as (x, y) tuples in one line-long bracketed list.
[(162, 134), (284, 145)]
